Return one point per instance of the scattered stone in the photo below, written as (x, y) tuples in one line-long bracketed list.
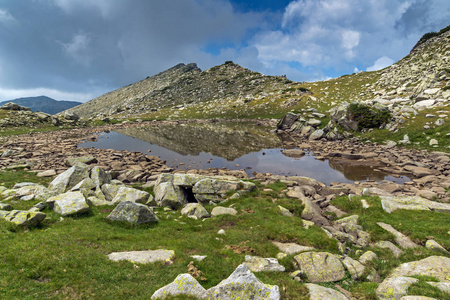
[(402, 240), (259, 264), (144, 257), (291, 248), (219, 210), (185, 285), (242, 284), (195, 211), (320, 266), (69, 203), (317, 292), (431, 244), (134, 213), (394, 287), (23, 218)]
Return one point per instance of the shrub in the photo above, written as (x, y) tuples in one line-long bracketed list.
[(368, 117)]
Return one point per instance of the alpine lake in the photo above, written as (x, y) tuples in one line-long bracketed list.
[(234, 146)]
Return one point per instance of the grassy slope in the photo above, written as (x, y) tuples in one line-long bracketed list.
[(65, 259)]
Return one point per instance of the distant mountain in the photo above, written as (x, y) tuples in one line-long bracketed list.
[(43, 104)]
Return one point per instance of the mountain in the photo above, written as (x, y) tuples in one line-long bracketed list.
[(43, 104), (186, 86)]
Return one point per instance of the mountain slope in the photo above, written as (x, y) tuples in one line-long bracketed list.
[(185, 86), (43, 104)]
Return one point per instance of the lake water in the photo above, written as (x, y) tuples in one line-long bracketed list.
[(233, 146)]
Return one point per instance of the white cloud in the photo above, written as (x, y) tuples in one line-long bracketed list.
[(78, 48), (6, 17), (381, 63)]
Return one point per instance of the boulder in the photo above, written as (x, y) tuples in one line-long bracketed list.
[(214, 189), (23, 218), (110, 191), (69, 203), (434, 266), (184, 285), (167, 194), (317, 292), (144, 257), (100, 176), (130, 194), (68, 179), (219, 210), (431, 244), (134, 213), (367, 257), (195, 211), (316, 135), (320, 266), (243, 284), (354, 267), (288, 120), (394, 287), (259, 264)]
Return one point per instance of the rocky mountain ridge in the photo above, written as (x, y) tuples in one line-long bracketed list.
[(43, 104)]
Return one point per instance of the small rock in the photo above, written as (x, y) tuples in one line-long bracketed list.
[(219, 210)]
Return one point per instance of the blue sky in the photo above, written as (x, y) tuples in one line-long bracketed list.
[(80, 49)]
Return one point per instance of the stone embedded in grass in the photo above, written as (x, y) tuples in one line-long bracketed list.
[(431, 244), (284, 211), (185, 285), (195, 211), (388, 245), (394, 287), (367, 257), (243, 284), (23, 218), (5, 206), (391, 204), (260, 264), (320, 266), (434, 266), (144, 257), (69, 203), (317, 292), (132, 212), (354, 267), (291, 248), (219, 210), (402, 240)]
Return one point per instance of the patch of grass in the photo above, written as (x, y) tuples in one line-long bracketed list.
[(368, 117), (9, 178), (422, 288)]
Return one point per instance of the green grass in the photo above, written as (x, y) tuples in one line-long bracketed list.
[(64, 259)]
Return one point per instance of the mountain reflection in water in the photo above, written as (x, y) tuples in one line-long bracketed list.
[(232, 146)]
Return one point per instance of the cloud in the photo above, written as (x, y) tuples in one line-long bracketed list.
[(78, 48), (6, 17), (381, 63)]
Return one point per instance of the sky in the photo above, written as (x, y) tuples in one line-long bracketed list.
[(80, 49)]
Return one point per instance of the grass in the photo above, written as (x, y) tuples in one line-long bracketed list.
[(66, 258)]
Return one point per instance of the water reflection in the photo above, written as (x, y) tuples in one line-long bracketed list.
[(232, 146)]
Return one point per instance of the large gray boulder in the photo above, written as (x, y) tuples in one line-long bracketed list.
[(100, 176), (393, 288), (130, 194), (110, 191), (392, 203), (132, 212), (288, 120), (183, 285), (68, 179), (167, 194), (69, 203), (242, 284), (214, 189), (435, 266), (320, 266)]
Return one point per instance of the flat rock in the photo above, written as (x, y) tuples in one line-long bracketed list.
[(134, 213), (320, 266), (294, 153), (292, 248), (388, 245), (259, 264), (317, 292), (195, 211), (69, 203), (185, 285), (393, 203), (242, 284), (402, 240), (80, 160), (434, 266), (394, 287), (46, 173), (220, 210), (144, 257)]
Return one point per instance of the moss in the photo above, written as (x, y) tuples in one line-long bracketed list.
[(368, 117)]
